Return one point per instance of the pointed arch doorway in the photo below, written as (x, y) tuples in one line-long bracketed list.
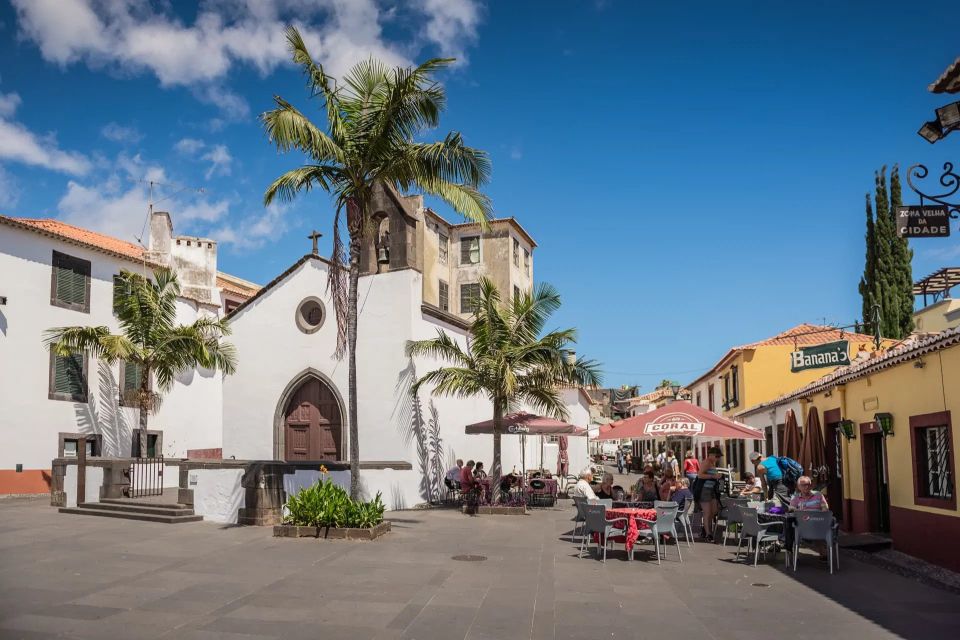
[(311, 424)]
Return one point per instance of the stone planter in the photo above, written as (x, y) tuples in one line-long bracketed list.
[(494, 510), (330, 533)]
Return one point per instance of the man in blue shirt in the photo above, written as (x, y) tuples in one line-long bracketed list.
[(771, 477)]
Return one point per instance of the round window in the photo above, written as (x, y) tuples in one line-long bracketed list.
[(310, 315)]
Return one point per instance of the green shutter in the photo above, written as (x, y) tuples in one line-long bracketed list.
[(131, 376), (68, 376), (71, 279)]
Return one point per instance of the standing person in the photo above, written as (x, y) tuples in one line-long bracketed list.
[(661, 457), (620, 461), (629, 462), (670, 462), (691, 467), (648, 458), (707, 491), (770, 474)]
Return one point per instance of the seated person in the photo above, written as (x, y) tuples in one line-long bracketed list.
[(466, 477), (583, 489), (682, 496), (668, 485), (805, 499), (647, 489), (452, 478), (478, 472), (605, 491), (752, 486)]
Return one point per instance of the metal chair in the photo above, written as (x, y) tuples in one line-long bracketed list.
[(730, 516), (683, 517), (537, 495), (756, 533), (453, 491), (665, 524), (596, 522), (578, 518), (816, 526)]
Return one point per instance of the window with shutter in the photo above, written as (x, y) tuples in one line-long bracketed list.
[(470, 250), (68, 377), (444, 296), (70, 282), (469, 298), (130, 379)]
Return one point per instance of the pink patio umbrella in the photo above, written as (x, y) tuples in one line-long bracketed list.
[(529, 424), (563, 458)]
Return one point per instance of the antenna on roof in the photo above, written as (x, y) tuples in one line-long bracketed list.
[(150, 185)]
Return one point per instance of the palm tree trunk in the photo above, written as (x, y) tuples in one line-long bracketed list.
[(354, 221), (144, 397), (495, 468)]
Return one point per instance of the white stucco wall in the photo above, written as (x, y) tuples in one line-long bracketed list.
[(94, 477), (30, 422), (427, 432), (217, 494)]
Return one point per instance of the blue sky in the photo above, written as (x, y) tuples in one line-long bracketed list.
[(694, 174)]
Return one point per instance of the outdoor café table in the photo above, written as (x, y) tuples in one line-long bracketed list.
[(549, 490), (632, 514)]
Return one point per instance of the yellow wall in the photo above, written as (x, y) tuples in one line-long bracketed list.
[(765, 374), (904, 391), (941, 316)]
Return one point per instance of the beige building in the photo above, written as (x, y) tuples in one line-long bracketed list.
[(451, 257)]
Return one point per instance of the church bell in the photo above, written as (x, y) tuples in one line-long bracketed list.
[(383, 255)]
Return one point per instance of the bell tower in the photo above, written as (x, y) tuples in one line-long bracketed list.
[(390, 239)]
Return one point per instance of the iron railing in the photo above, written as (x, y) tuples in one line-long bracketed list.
[(146, 477)]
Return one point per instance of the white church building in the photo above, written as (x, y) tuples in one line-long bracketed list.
[(287, 400)]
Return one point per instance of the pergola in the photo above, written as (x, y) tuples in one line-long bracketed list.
[(937, 284)]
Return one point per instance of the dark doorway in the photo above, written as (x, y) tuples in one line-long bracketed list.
[(833, 439), (875, 494), (312, 423)]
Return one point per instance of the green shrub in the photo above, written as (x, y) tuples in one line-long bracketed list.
[(325, 504)]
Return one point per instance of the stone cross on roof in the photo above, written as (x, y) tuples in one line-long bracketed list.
[(316, 235)]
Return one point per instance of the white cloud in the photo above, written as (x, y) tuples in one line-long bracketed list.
[(9, 190), (451, 24), (220, 160), (106, 208), (119, 133), (134, 36), (254, 230), (516, 153), (19, 144), (8, 104), (188, 146)]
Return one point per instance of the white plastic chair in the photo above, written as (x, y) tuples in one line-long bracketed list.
[(665, 524)]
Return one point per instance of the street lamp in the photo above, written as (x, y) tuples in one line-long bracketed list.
[(885, 422), (948, 119), (676, 390)]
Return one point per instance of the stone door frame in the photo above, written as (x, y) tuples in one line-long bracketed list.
[(280, 418)]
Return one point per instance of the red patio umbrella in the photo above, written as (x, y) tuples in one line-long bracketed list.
[(679, 418), (813, 457), (790, 447)]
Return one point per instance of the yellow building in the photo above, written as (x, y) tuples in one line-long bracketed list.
[(761, 371), (901, 482)]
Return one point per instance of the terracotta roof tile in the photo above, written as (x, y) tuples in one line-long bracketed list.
[(949, 80), (82, 236), (115, 246), (809, 334)]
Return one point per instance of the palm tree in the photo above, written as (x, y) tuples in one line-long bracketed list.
[(149, 340), (508, 360), (367, 141)]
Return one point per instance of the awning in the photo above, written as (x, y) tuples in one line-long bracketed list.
[(529, 424), (679, 418)]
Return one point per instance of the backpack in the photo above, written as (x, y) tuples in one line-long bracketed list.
[(791, 470)]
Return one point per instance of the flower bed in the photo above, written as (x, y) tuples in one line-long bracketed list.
[(324, 510)]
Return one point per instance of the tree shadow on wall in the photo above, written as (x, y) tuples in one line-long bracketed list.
[(426, 435), (103, 415)]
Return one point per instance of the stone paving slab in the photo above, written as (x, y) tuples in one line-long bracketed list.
[(95, 578)]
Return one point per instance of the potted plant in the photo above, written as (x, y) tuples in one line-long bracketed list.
[(325, 510)]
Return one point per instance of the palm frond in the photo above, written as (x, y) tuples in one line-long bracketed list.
[(98, 341), (288, 128), (319, 84), (302, 179)]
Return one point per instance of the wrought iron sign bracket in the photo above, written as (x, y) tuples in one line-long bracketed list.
[(949, 180)]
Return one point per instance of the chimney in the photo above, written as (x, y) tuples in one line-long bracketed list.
[(161, 235)]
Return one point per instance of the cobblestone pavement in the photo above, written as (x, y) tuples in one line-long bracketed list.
[(85, 577)]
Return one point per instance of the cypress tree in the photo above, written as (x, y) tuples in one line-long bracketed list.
[(903, 258), (869, 277), (886, 286)]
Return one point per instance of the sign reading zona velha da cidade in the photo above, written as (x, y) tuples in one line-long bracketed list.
[(831, 354)]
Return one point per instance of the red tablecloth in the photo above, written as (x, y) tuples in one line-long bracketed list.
[(632, 514)]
